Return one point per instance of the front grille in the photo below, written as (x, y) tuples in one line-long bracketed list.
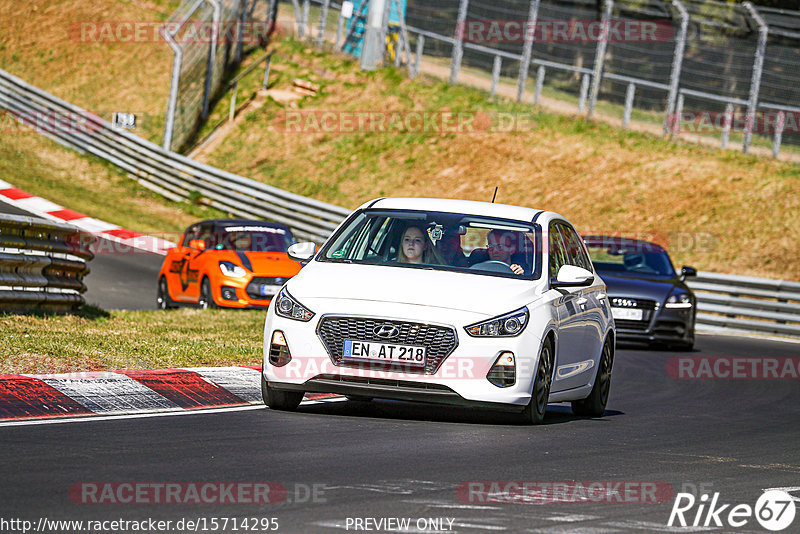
[(439, 341), (254, 287), (627, 324)]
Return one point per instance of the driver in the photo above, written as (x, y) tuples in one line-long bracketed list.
[(501, 246)]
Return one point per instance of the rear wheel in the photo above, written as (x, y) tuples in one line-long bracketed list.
[(595, 404), (534, 411), (206, 300), (162, 299), (280, 400)]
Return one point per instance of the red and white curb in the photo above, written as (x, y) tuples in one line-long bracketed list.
[(111, 232), (29, 396)]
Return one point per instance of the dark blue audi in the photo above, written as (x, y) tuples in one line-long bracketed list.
[(650, 301)]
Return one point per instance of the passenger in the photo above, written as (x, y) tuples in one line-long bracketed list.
[(449, 248), (415, 247)]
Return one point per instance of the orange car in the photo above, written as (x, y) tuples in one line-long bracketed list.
[(228, 263)]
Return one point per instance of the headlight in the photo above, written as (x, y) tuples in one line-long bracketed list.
[(231, 269), (679, 300), (508, 325), (287, 306)]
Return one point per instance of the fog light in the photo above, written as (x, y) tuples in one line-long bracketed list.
[(279, 354), (503, 373), (229, 293)]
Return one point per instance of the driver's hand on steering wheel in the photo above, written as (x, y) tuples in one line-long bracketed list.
[(517, 269)]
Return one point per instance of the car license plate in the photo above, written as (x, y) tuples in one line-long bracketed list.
[(384, 352), (631, 314), (269, 291)]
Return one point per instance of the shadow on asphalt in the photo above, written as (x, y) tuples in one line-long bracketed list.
[(413, 411)]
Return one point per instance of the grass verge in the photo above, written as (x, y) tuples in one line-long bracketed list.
[(95, 340)]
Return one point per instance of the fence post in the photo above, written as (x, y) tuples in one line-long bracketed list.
[(458, 44), (498, 63), (232, 110), (755, 82), (583, 93), (726, 125), (599, 58), (418, 58), (528, 34), (776, 142), (539, 83), (212, 54), (298, 18), (677, 63), (675, 129), (306, 25), (265, 83), (323, 21), (242, 19), (339, 30), (177, 59), (374, 36), (629, 94)]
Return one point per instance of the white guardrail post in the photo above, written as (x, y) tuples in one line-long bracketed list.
[(42, 264)]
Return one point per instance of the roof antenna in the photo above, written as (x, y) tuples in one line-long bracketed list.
[(495, 194)]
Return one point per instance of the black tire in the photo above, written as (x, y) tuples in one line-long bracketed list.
[(287, 401), (595, 404), (533, 413), (206, 300), (163, 302)]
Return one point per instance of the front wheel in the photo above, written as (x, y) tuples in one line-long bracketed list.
[(163, 302), (595, 404), (206, 300), (534, 411), (280, 400)]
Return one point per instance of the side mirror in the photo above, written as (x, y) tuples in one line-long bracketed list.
[(572, 276), (302, 252), (197, 244), (688, 271)]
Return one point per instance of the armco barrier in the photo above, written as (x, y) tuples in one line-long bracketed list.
[(168, 173), (42, 264), (747, 303)]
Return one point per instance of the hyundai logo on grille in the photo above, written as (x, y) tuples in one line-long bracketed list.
[(386, 331), (623, 303)]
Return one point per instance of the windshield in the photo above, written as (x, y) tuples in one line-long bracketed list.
[(438, 241), (630, 259), (252, 238)]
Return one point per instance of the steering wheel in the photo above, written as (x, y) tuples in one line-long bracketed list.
[(494, 266)]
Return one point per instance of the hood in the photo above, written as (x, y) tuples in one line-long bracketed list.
[(261, 263), (489, 295), (643, 287)]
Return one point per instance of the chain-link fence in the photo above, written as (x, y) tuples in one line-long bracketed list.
[(207, 38), (702, 66)]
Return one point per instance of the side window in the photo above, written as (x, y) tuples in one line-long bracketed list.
[(556, 251), (189, 234), (576, 255)]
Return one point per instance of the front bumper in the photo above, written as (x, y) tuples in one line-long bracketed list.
[(666, 325), (460, 379)]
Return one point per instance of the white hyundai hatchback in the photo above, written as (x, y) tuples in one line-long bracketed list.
[(444, 301)]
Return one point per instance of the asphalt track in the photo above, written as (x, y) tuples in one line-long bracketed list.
[(116, 281), (388, 459)]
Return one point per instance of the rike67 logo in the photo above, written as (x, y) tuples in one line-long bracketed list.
[(774, 510)]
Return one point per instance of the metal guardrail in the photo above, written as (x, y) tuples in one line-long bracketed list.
[(747, 303), (168, 173), (42, 264)]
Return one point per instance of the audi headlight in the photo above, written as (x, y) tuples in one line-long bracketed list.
[(286, 306), (679, 300), (231, 269), (508, 325)]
